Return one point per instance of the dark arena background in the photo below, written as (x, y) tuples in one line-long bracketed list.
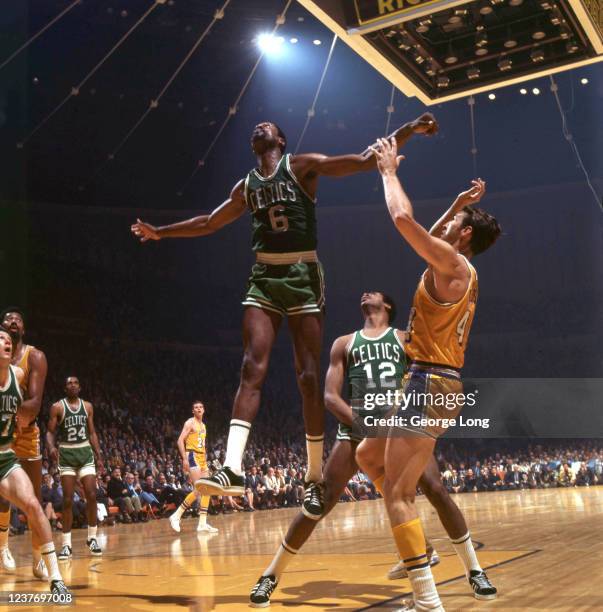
[(118, 110)]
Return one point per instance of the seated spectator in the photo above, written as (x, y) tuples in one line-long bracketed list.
[(123, 497)]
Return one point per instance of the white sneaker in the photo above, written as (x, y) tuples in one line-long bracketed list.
[(207, 528), (175, 523), (8, 563), (40, 571)]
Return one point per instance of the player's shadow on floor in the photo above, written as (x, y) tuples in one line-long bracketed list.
[(362, 594)]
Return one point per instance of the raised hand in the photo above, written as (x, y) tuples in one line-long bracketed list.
[(472, 195), (425, 124), (144, 231), (386, 154)]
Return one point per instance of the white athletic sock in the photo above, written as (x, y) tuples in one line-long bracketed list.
[(203, 506), (36, 554), (284, 556), (464, 549), (50, 558), (92, 532), (67, 539), (314, 447), (235, 447), (424, 589)]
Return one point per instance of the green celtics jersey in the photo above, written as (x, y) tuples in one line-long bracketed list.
[(73, 428), (284, 219), (374, 366), (10, 400)]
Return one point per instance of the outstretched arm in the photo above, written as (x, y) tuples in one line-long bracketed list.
[(229, 211), (437, 253), (310, 165), (468, 197), (334, 403)]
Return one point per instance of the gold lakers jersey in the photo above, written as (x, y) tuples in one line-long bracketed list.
[(195, 441), (437, 332), (27, 439)]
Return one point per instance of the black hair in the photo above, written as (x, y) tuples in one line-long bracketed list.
[(390, 306), (486, 228)]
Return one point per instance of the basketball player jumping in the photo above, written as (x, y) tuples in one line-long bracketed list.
[(15, 486), (191, 446), (436, 338), (32, 362), (71, 422), (287, 280)]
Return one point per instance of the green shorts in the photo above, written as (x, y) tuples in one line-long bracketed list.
[(287, 289), (76, 461), (8, 463)]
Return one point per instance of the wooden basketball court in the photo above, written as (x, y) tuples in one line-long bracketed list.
[(542, 549)]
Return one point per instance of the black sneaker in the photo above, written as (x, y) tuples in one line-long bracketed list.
[(95, 549), (223, 482), (57, 587), (481, 585), (260, 594), (65, 553), (313, 506)]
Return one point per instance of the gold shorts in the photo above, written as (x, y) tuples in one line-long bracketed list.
[(27, 443)]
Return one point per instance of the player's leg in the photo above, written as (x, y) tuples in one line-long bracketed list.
[(260, 327), (203, 526), (17, 488), (340, 467), (194, 474), (33, 469), (454, 523), (405, 461), (68, 486), (88, 480), (306, 331), (6, 558)]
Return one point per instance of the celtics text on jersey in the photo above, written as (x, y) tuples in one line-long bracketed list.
[(10, 400), (73, 428), (283, 214), (374, 367)]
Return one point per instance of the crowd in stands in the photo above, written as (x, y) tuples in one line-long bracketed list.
[(142, 397)]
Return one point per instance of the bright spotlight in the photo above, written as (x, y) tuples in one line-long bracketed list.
[(293, 41), (269, 44), (317, 42), (536, 91), (584, 81), (491, 96), (523, 91)]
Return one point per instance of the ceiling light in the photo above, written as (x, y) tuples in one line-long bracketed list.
[(538, 34), (451, 58), (481, 51), (515, 2), (443, 81), (316, 42), (546, 5), (430, 69), (537, 55), (492, 96), (457, 16), (504, 64), (486, 9), (473, 73), (418, 58), (584, 81), (510, 43), (523, 91), (572, 46), (269, 44), (536, 91), (565, 32), (481, 39), (556, 18), (293, 41)]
